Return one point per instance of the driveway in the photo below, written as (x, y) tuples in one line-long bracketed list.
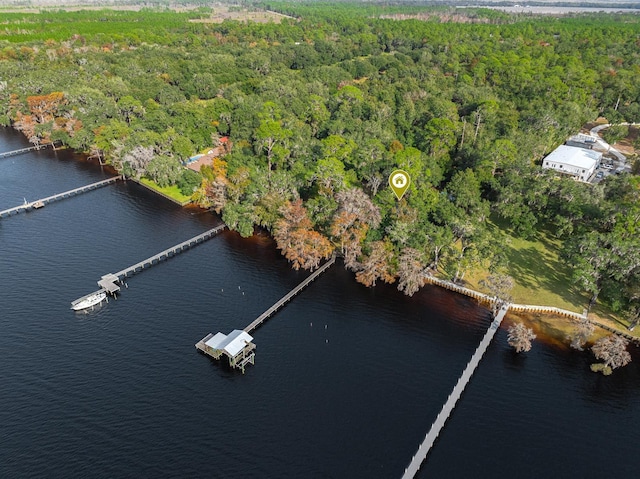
[(603, 144)]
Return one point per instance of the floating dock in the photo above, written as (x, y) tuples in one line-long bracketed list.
[(50, 199), (111, 282), (417, 460)]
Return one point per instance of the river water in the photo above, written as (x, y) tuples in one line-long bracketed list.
[(347, 379)]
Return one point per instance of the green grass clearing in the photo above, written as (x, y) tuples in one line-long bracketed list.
[(171, 192), (539, 275), (541, 278)]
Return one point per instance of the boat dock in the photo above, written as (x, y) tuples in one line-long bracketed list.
[(27, 206), (110, 283), (7, 154), (238, 346), (417, 460), (269, 312)]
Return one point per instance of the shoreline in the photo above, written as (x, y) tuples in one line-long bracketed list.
[(179, 203), (548, 312)]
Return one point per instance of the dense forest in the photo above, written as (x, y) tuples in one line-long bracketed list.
[(320, 108)]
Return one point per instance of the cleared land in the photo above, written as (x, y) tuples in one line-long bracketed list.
[(541, 278), (539, 274), (171, 192), (220, 14)]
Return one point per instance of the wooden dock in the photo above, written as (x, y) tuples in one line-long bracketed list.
[(7, 154), (169, 252), (50, 199), (240, 351), (417, 460), (269, 312), (111, 282)]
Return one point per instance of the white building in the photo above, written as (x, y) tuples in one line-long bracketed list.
[(237, 346), (578, 162)]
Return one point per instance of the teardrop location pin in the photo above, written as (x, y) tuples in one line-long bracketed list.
[(399, 182)]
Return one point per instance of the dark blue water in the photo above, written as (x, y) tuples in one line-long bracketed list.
[(347, 380)]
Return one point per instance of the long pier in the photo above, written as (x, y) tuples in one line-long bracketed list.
[(110, 282), (169, 252), (49, 199), (269, 312), (419, 457), (6, 154)]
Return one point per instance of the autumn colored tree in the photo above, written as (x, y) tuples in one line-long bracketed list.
[(356, 214), (410, 271), (26, 125), (581, 334), (214, 187), (612, 350), (378, 264), (45, 107), (300, 244), (519, 337)]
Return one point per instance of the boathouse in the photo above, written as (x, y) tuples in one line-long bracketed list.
[(237, 346)]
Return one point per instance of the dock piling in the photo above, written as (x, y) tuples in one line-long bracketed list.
[(269, 312)]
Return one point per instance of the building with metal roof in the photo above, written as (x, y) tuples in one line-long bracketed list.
[(237, 346), (580, 163), (582, 141)]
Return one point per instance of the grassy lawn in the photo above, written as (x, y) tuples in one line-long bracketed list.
[(539, 275), (541, 278), (171, 192)]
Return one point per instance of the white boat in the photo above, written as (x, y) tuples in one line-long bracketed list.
[(89, 301)]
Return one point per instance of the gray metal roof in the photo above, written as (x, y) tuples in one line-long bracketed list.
[(232, 344)]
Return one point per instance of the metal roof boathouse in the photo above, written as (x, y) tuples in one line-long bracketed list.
[(237, 346)]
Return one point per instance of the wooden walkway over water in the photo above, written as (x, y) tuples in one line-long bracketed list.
[(269, 312), (49, 199), (110, 282), (169, 252), (453, 398), (7, 154)]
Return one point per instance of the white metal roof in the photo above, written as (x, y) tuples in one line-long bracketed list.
[(573, 156), (232, 344)]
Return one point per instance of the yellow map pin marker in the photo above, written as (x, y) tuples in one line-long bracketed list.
[(399, 182)]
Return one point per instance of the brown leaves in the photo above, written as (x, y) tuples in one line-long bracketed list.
[(299, 243), (377, 265), (215, 185), (519, 337), (355, 215), (306, 248), (612, 350), (410, 271), (45, 107)]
